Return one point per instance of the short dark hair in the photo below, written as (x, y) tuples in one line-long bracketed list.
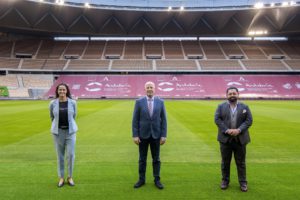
[(67, 87), (232, 88)]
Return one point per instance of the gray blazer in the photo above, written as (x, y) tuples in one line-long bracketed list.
[(244, 121), (54, 115), (143, 125)]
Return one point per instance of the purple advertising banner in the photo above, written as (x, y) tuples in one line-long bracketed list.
[(181, 86)]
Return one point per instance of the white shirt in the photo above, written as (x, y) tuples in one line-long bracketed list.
[(150, 100)]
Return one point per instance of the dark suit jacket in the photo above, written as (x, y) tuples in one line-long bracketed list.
[(223, 118), (143, 125)]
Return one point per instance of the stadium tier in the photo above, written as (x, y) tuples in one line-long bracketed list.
[(178, 55), (181, 86), (27, 86)]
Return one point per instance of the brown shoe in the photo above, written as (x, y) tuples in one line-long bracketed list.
[(224, 185), (244, 188)]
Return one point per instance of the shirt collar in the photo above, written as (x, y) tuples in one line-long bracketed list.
[(148, 99)]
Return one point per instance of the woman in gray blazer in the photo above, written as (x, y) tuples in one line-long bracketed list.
[(63, 110)]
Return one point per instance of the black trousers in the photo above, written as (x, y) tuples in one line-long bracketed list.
[(239, 151), (143, 151)]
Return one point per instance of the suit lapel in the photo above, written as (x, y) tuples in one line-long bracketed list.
[(228, 110), (154, 105), (239, 112)]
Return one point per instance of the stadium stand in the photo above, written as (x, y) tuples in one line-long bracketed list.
[(289, 49), (294, 64), (34, 64), (212, 50), (140, 65), (94, 50), (8, 63), (264, 65), (75, 49), (220, 65), (76, 55), (40, 81), (9, 80), (6, 49), (26, 48), (192, 49), (114, 49), (134, 50), (269, 48), (153, 49), (231, 49), (27, 86), (176, 65), (52, 49), (54, 64), (172, 50), (19, 93), (251, 50), (88, 64)]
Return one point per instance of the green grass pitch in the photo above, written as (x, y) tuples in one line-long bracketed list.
[(106, 165)]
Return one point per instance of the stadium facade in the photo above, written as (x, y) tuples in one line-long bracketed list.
[(176, 40)]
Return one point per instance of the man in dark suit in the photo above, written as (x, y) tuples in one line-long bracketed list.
[(233, 119), (149, 127)]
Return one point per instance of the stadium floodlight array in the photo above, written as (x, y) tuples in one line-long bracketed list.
[(260, 5), (169, 38), (271, 38), (258, 32), (60, 2)]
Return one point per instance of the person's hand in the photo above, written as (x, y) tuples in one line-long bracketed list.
[(235, 132), (162, 140), (229, 131), (136, 140)]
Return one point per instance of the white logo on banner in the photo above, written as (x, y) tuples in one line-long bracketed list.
[(287, 86), (91, 87), (105, 78), (233, 83), (165, 86), (174, 78), (236, 84), (242, 79), (297, 85)]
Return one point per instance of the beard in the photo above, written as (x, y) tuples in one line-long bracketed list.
[(232, 99)]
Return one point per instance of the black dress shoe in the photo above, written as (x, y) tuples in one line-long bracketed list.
[(159, 185), (138, 184), (224, 185), (244, 188)]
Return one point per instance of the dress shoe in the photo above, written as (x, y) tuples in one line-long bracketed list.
[(244, 188), (224, 185), (138, 184), (60, 183), (159, 185), (70, 182)]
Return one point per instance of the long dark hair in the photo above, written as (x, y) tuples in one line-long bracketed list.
[(68, 90)]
